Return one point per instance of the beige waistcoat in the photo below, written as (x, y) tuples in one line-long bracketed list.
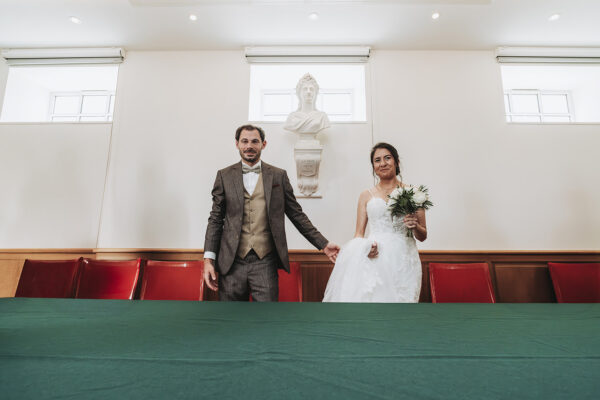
[(255, 224)]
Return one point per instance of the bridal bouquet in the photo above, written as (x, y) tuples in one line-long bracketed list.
[(408, 200)]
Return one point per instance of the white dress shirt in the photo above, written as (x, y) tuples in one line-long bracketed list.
[(250, 181)]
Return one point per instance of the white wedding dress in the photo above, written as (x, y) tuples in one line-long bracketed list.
[(394, 276)]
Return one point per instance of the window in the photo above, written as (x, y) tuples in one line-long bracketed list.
[(341, 91), (66, 93), (538, 106), (551, 93), (84, 106), (277, 104)]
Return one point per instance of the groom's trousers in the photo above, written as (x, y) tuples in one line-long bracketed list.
[(251, 276)]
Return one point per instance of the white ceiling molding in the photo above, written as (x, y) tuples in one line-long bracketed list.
[(307, 54), (97, 55), (552, 55)]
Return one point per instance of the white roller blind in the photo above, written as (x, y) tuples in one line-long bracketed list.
[(548, 55), (103, 55)]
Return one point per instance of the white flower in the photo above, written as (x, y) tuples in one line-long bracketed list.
[(419, 197), (396, 192)]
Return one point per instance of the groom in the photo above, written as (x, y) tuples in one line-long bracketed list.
[(245, 238)]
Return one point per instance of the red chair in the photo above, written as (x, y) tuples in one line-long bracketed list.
[(461, 283), (576, 283), (45, 278), (173, 280), (104, 279), (290, 285)]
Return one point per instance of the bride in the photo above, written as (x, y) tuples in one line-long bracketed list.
[(385, 267)]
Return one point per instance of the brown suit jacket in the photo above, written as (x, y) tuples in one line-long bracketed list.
[(225, 221)]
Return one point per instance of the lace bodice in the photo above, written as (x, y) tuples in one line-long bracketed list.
[(380, 219)]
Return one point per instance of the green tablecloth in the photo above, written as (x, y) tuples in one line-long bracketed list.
[(104, 349)]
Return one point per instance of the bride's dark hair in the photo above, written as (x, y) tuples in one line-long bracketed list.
[(392, 150)]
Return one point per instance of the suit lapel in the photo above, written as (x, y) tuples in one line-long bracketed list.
[(267, 175), (238, 182)]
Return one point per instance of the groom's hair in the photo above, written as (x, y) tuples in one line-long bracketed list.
[(391, 149), (248, 127)]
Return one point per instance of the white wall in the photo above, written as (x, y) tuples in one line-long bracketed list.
[(495, 186), (51, 179), (345, 171), (175, 120), (174, 115)]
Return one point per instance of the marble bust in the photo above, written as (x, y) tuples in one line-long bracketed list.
[(307, 119)]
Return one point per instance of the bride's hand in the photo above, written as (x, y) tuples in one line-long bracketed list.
[(410, 221), (374, 251)]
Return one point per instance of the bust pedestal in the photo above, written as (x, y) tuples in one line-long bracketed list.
[(307, 153)]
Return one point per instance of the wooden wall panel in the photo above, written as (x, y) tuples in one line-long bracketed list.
[(10, 271), (517, 276), (314, 280), (149, 254), (523, 283)]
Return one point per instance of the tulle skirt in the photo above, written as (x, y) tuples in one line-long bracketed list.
[(394, 276)]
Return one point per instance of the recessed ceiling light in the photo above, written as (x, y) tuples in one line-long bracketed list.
[(313, 16), (435, 15), (193, 17), (553, 17), (75, 20)]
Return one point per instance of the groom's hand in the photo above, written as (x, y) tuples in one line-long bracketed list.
[(331, 251), (210, 276)]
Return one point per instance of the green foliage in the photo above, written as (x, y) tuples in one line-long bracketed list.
[(403, 203)]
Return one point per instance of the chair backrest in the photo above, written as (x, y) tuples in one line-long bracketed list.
[(172, 280), (48, 278), (290, 285), (461, 283), (576, 283), (107, 279)]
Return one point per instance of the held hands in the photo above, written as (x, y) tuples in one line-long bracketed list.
[(210, 276), (374, 252), (410, 221), (331, 251)]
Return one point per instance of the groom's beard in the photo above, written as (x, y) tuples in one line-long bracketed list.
[(250, 156)]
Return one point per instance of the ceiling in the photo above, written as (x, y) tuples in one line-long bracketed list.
[(231, 24)]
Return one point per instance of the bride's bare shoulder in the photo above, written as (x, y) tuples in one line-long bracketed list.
[(365, 195)]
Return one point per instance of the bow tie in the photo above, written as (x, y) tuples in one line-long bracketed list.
[(247, 169)]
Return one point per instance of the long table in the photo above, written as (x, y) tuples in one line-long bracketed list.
[(111, 349)]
